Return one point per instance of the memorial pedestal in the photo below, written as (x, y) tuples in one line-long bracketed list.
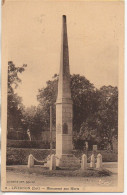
[(67, 161)]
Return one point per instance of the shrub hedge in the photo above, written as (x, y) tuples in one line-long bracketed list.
[(19, 156), (28, 144)]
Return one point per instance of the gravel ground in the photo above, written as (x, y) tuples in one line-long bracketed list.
[(33, 180), (25, 179)]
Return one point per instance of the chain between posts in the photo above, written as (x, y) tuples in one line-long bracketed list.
[(48, 158), (41, 161)]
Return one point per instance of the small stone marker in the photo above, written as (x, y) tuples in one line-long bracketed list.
[(99, 161), (30, 161), (94, 147), (84, 162), (92, 161), (86, 143), (52, 165)]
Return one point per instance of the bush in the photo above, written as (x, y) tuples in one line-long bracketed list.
[(17, 135), (107, 156), (15, 157), (79, 144), (19, 156), (28, 144)]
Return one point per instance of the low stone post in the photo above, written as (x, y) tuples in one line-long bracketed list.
[(52, 165), (99, 161), (84, 162), (30, 161), (92, 161)]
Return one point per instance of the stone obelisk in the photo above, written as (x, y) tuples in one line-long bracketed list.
[(64, 110)]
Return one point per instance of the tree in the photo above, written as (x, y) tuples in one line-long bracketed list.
[(95, 111), (83, 96), (108, 112), (102, 126), (14, 102), (34, 120)]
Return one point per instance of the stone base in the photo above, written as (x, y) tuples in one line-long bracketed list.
[(67, 161)]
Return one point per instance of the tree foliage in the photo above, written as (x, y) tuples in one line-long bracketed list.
[(14, 102), (47, 97), (83, 96), (95, 112), (84, 100), (102, 126)]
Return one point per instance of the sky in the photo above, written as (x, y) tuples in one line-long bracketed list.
[(95, 31)]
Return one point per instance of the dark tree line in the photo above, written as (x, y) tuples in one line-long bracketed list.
[(14, 102)]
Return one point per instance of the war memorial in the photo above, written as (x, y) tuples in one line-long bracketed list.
[(64, 108), (64, 116), (70, 137)]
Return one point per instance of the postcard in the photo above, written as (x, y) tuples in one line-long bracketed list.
[(62, 96)]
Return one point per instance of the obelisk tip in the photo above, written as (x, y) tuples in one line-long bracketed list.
[(64, 17)]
